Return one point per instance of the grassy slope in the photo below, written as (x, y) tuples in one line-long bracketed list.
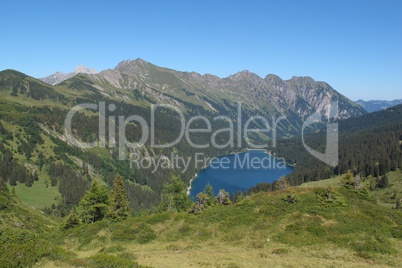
[(262, 231), (25, 234), (384, 197), (20, 216), (39, 196), (333, 182)]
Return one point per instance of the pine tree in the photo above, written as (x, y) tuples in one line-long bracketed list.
[(281, 184), (383, 182), (29, 181), (41, 160), (12, 181), (72, 220), (35, 176), (2, 129), (119, 209), (209, 191), (239, 196), (94, 205), (348, 181), (3, 186), (174, 195), (200, 204)]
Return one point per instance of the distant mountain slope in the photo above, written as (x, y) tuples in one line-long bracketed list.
[(376, 105), (370, 145), (59, 77)]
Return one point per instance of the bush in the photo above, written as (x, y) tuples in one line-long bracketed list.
[(141, 233), (113, 249), (146, 235), (23, 248), (291, 198), (374, 245), (106, 261), (157, 218), (329, 197), (3, 203), (396, 232), (280, 251)]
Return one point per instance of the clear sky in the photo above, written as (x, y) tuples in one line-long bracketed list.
[(355, 46)]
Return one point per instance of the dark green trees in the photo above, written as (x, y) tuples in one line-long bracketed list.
[(94, 205), (3, 186), (281, 184), (383, 182), (98, 204), (200, 204), (174, 196), (72, 220), (119, 208), (209, 192)]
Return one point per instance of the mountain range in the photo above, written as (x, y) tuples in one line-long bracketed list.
[(140, 82), (376, 105), (281, 94)]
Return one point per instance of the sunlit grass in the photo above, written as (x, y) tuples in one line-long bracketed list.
[(39, 196)]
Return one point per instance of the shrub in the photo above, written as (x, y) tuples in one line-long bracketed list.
[(396, 232), (157, 218), (281, 251), (329, 197), (141, 233), (113, 249), (107, 261), (374, 245), (22, 248), (291, 198)]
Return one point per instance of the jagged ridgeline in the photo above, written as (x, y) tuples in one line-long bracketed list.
[(36, 152)]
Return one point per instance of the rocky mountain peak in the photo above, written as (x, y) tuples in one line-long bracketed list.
[(303, 80), (132, 66), (273, 79), (81, 69), (59, 77), (245, 74)]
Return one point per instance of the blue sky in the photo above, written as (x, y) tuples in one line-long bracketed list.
[(355, 46)]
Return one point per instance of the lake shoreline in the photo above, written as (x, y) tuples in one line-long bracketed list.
[(190, 185)]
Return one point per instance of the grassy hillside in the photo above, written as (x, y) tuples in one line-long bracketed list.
[(389, 195), (266, 229), (307, 226), (334, 182), (25, 233)]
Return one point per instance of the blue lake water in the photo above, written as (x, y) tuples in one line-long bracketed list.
[(240, 172)]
